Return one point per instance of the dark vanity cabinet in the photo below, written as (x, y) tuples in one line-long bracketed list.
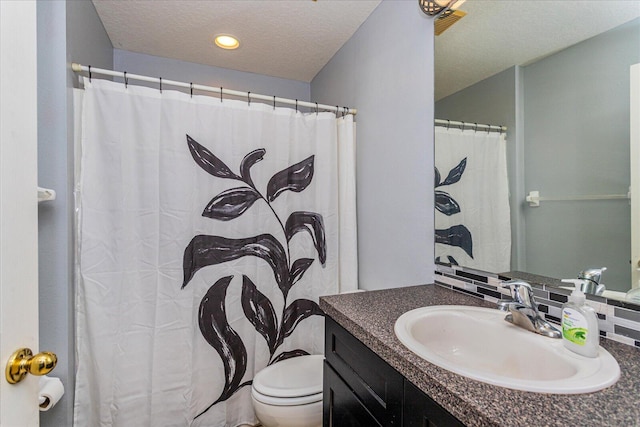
[(361, 389), (419, 410)]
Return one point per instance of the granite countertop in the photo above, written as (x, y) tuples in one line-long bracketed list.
[(370, 317)]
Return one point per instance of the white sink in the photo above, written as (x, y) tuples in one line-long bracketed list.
[(478, 343)]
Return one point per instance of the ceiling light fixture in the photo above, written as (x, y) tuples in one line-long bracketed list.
[(442, 23), (439, 8), (445, 13), (226, 41)]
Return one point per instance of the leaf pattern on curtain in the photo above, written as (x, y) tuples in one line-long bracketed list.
[(208, 250), (458, 235)]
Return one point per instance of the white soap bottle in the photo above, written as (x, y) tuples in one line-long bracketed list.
[(580, 332)]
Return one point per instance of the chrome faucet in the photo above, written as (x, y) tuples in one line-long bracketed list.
[(523, 310), (591, 278)]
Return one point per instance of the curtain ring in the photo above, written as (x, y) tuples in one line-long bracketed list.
[(337, 111), (274, 102), (316, 108), (191, 88), (89, 73), (160, 84), (489, 129), (344, 112), (448, 123), (476, 128), (296, 105), (221, 89), (249, 99), (126, 80), (462, 126)]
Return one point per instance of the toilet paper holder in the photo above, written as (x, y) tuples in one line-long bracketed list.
[(51, 391)]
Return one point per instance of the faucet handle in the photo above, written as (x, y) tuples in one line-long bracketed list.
[(521, 292)]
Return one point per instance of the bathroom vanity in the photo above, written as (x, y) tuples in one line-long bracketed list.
[(362, 389), (370, 378)]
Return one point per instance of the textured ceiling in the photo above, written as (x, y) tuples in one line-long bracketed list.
[(498, 34), (292, 39)]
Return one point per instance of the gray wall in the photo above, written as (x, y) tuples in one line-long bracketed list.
[(173, 69), (87, 40), (391, 84), (53, 217), (576, 108), (386, 71), (493, 101), (65, 29)]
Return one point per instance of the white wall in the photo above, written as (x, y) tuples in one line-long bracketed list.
[(386, 71)]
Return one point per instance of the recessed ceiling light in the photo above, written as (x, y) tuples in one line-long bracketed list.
[(226, 41)]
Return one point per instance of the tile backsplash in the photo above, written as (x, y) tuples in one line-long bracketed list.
[(618, 320)]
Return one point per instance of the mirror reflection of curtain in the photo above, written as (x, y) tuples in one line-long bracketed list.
[(208, 230), (473, 226)]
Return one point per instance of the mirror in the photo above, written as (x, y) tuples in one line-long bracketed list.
[(557, 76)]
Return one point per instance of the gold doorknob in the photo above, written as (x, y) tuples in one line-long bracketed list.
[(23, 362)]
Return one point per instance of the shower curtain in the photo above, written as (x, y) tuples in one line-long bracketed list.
[(473, 225), (207, 231)]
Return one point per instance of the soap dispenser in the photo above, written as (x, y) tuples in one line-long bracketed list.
[(580, 332)]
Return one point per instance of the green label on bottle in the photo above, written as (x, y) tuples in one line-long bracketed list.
[(574, 326)]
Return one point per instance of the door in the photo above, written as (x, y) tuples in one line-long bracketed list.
[(635, 175), (18, 206)]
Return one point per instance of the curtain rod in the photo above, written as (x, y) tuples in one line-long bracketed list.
[(471, 126), (249, 95), (534, 198)]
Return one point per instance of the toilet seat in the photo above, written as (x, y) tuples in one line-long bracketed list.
[(287, 401), (295, 381)]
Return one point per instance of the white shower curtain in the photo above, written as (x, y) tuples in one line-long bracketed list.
[(473, 225), (207, 232)]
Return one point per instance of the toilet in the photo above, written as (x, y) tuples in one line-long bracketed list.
[(289, 393)]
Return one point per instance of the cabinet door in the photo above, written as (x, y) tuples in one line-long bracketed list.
[(340, 406), (373, 381), (420, 410)]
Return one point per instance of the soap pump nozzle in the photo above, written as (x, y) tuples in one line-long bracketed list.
[(577, 296)]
